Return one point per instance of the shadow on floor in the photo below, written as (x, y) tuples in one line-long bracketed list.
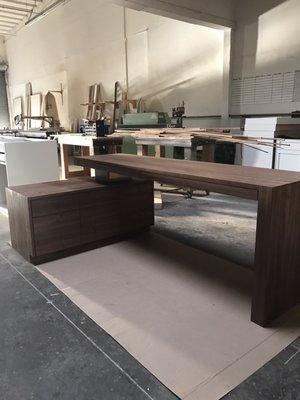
[(221, 225)]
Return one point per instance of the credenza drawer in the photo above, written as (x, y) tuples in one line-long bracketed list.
[(56, 232), (56, 219), (54, 205), (99, 198)]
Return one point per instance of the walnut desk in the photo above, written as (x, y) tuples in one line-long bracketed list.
[(277, 251)]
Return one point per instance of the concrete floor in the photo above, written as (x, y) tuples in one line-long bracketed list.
[(279, 379), (222, 225), (52, 350)]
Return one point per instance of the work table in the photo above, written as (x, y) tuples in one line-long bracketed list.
[(88, 144)]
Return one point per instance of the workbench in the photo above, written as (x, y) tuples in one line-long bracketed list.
[(88, 145), (189, 145), (277, 255)]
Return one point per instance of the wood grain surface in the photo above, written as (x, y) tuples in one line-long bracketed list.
[(54, 219), (277, 256), (159, 168)]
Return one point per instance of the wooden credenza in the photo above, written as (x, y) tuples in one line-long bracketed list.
[(56, 219)]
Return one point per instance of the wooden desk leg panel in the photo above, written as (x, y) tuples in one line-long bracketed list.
[(277, 255), (66, 173), (208, 153), (64, 154), (190, 153), (160, 151), (85, 151), (142, 150)]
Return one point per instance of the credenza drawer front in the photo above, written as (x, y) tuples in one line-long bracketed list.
[(99, 198), (54, 205), (66, 217), (98, 224), (56, 232)]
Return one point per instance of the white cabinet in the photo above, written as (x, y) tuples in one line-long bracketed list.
[(259, 156), (288, 157)]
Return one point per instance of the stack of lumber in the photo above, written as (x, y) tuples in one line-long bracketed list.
[(207, 134)]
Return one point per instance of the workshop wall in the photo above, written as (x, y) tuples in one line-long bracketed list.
[(83, 43), (170, 61), (217, 13), (267, 48), (4, 113), (3, 56)]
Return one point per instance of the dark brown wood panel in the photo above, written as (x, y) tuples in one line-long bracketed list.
[(277, 255), (84, 151), (137, 206), (20, 223), (163, 168), (101, 219), (37, 260), (99, 198), (55, 219), (56, 232), (57, 188), (121, 208), (54, 205)]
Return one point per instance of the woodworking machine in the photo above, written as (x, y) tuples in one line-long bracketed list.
[(145, 120)]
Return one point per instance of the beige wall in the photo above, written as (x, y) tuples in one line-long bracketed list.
[(82, 43), (3, 56), (216, 13), (267, 41)]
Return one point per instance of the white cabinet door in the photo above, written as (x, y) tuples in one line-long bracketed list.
[(288, 158), (259, 156)]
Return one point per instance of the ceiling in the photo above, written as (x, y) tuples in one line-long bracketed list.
[(12, 12)]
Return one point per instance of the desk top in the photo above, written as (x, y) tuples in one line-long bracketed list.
[(37, 190), (164, 170)]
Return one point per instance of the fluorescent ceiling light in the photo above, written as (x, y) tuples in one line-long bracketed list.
[(45, 12)]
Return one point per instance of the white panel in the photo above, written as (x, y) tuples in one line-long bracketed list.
[(31, 162), (263, 89), (236, 94), (288, 161), (277, 88), (248, 92), (254, 125), (288, 158), (259, 127), (9, 139), (288, 87), (297, 86), (254, 157)]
